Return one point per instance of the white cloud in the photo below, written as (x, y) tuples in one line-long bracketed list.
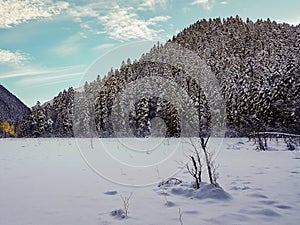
[(104, 46), (206, 4), (156, 19), (85, 26), (124, 24), (224, 3), (185, 9), (14, 12), (197, 2), (12, 58), (152, 4), (88, 10), (91, 26), (118, 22)]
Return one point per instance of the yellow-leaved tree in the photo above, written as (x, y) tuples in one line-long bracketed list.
[(8, 128)]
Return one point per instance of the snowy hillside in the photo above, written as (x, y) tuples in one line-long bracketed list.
[(54, 181), (255, 65)]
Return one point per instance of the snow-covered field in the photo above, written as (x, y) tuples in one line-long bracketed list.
[(81, 182)]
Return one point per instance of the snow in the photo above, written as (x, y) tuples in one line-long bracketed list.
[(48, 181), (205, 191)]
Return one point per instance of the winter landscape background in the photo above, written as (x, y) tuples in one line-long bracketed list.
[(249, 71), (196, 122)]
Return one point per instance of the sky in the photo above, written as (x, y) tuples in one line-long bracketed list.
[(47, 46)]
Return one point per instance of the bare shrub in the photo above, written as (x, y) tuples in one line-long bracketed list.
[(126, 204), (201, 156)]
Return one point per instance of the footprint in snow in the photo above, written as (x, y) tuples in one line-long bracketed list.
[(111, 193), (169, 204), (191, 212), (262, 212), (268, 202), (257, 195), (283, 206)]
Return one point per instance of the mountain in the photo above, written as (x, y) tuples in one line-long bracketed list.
[(255, 66), (11, 108)]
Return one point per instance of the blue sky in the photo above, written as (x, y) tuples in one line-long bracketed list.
[(47, 45)]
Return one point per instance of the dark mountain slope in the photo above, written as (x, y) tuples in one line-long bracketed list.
[(11, 108)]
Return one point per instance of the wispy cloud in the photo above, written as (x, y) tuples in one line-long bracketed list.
[(90, 27), (12, 58), (68, 46), (152, 4), (125, 24), (37, 79), (206, 4), (22, 73), (31, 72), (14, 12), (104, 46), (49, 79), (156, 19), (199, 2), (185, 9)]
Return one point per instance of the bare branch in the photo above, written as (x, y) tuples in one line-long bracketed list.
[(180, 217)]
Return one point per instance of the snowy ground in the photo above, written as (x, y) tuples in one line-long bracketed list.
[(59, 181)]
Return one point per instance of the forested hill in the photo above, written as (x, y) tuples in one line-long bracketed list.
[(256, 65)]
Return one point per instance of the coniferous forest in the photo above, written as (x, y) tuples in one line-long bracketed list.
[(256, 66)]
